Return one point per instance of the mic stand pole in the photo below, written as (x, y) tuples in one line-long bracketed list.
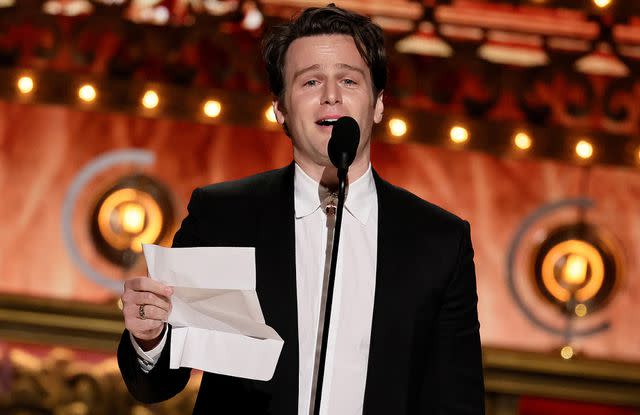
[(342, 178)]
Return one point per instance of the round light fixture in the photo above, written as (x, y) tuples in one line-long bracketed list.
[(25, 84), (459, 134), (522, 141), (150, 100), (135, 210), (567, 352), (87, 93), (397, 127), (269, 115), (602, 3), (576, 269), (212, 108), (584, 149)]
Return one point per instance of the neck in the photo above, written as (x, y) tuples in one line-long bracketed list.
[(327, 176)]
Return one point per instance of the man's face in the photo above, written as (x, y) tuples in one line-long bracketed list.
[(325, 78)]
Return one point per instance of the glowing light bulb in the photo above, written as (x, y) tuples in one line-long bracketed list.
[(602, 3), (212, 108), (87, 93), (459, 134), (522, 141), (581, 310), (150, 99), (584, 149), (397, 127), (269, 114), (567, 352), (133, 217), (575, 269), (25, 84)]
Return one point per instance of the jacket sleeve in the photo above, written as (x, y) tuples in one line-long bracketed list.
[(455, 383), (160, 383)]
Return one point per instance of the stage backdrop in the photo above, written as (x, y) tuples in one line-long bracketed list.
[(43, 148)]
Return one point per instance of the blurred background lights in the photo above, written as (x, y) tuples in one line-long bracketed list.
[(602, 3), (459, 134), (132, 218), (566, 352), (253, 19), (25, 84), (397, 127), (584, 149), (212, 108), (581, 310), (150, 99), (522, 141), (575, 269), (87, 93), (269, 114)]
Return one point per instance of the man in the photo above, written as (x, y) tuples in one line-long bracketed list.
[(404, 334)]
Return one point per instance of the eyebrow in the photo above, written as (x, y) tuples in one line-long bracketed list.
[(317, 66)]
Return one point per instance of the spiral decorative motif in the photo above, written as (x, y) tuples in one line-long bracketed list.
[(574, 268), (91, 170)]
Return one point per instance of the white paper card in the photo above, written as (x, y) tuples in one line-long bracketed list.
[(217, 322)]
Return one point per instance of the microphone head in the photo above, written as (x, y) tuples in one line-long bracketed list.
[(343, 144)]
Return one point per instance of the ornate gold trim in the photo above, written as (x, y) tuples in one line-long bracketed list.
[(544, 375), (60, 322), (508, 373)]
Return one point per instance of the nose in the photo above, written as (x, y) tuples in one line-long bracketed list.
[(331, 94)]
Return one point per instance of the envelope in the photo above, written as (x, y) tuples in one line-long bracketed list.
[(218, 325)]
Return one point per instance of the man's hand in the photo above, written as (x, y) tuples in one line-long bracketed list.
[(146, 306)]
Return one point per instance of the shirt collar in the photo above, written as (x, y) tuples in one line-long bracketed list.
[(309, 194)]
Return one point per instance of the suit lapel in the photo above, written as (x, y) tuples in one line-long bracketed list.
[(389, 311), (276, 285)]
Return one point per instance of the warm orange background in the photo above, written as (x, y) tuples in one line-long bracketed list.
[(43, 148)]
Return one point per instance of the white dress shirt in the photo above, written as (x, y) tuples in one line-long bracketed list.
[(351, 316)]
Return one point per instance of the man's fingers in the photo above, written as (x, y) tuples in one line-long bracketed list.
[(147, 312), (147, 284), (143, 290), (136, 298)]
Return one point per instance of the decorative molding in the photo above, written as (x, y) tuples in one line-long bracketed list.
[(62, 383), (508, 373), (519, 373), (60, 322)]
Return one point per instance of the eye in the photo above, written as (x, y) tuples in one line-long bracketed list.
[(349, 82), (311, 82)]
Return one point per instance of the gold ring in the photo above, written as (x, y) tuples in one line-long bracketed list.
[(141, 311)]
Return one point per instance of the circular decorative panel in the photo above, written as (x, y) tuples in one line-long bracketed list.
[(575, 268), (133, 211)]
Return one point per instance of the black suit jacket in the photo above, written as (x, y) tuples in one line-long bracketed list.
[(425, 355)]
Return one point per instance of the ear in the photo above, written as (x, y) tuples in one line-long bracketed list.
[(279, 111), (378, 109)]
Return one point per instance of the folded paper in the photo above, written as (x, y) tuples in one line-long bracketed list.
[(218, 325)]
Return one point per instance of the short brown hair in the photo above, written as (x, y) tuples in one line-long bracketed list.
[(328, 20)]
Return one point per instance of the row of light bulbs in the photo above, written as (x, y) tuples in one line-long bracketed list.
[(150, 99), (397, 127), (459, 135), (600, 3), (522, 141)]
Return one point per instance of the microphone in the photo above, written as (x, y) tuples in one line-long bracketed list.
[(343, 143)]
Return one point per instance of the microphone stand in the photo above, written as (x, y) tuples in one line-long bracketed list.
[(342, 179)]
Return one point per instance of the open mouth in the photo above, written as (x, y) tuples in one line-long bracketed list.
[(326, 122)]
